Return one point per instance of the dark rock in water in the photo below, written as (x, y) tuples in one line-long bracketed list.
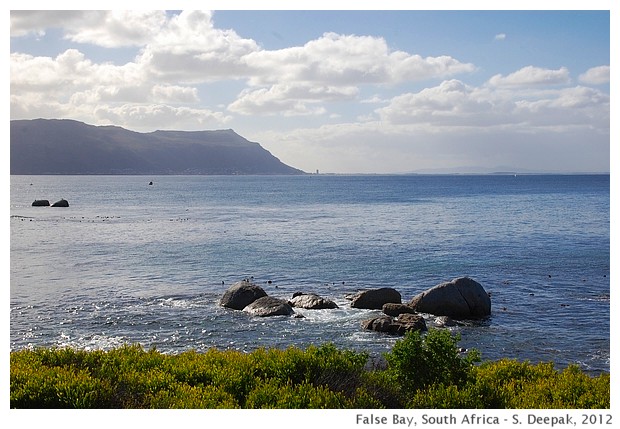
[(311, 301), (269, 306), (410, 322), (393, 309), (375, 298), (61, 203), (379, 324), (241, 294), (404, 323), (40, 203), (461, 298)]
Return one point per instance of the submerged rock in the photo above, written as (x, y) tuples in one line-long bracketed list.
[(269, 306), (374, 299), (241, 294), (311, 301), (461, 298)]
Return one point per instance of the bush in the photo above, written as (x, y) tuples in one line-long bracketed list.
[(417, 362), (423, 372)]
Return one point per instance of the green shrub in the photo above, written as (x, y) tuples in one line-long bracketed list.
[(419, 361), (423, 372), (508, 384)]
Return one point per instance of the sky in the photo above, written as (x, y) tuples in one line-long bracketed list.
[(339, 91)]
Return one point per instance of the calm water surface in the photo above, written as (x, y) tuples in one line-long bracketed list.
[(133, 263)]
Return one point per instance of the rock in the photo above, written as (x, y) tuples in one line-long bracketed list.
[(379, 324), (404, 323), (241, 294), (410, 322), (375, 298), (269, 306), (311, 301), (40, 203), (393, 309), (61, 203), (461, 298), (444, 322)]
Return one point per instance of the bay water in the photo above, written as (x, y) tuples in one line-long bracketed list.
[(129, 262)]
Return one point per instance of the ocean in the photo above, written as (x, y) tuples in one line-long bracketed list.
[(128, 262)]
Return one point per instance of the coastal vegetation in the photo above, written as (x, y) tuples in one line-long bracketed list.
[(421, 371)]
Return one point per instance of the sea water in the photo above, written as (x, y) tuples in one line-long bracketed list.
[(131, 262)]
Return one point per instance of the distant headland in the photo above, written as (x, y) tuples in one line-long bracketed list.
[(62, 146)]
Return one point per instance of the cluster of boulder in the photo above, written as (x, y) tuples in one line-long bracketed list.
[(252, 299), (46, 203), (459, 299)]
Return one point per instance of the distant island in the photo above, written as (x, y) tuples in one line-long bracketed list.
[(62, 146)]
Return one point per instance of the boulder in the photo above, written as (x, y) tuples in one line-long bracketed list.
[(40, 203), (311, 301), (404, 323), (241, 294), (379, 324), (461, 298), (375, 298), (269, 306), (410, 322), (393, 309), (61, 203)]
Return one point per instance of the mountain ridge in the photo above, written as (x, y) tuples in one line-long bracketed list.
[(66, 146)]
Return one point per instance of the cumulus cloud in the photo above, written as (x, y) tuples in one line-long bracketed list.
[(189, 49), (453, 104), (595, 76), (347, 60), (183, 49), (532, 76), (290, 100), (159, 116), (179, 52), (500, 36), (24, 22), (103, 28)]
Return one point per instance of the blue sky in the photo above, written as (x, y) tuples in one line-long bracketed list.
[(344, 91)]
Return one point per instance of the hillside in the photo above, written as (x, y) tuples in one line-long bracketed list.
[(61, 146)]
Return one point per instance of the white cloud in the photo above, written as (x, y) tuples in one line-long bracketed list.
[(290, 100), (174, 94), (119, 28), (158, 116), (595, 76), (532, 76), (500, 36), (189, 49), (113, 28), (185, 48), (453, 104), (24, 22), (160, 89), (347, 60)]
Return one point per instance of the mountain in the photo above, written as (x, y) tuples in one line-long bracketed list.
[(62, 146)]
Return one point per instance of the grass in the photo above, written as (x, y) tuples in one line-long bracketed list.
[(423, 371)]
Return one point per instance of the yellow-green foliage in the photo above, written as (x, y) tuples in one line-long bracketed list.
[(520, 385), (423, 372)]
